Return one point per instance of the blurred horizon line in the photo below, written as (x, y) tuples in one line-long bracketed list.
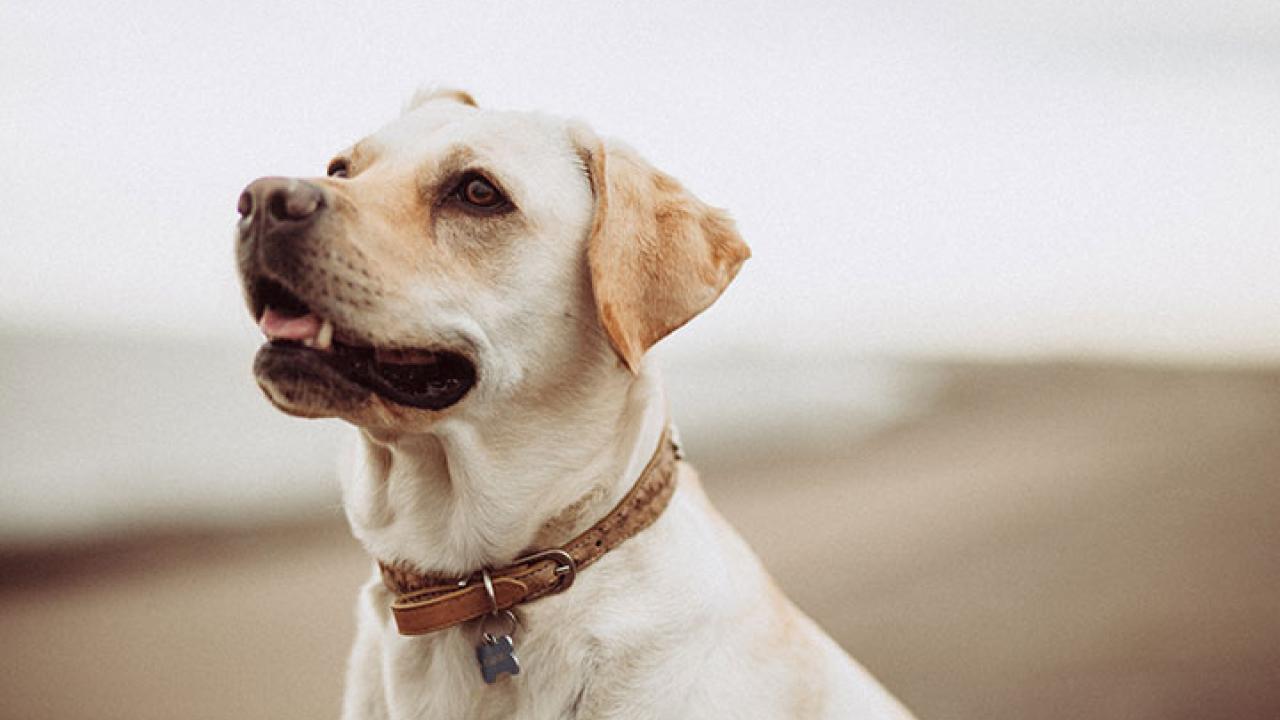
[(680, 347)]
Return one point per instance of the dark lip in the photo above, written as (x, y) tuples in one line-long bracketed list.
[(296, 375), (433, 387), (427, 386)]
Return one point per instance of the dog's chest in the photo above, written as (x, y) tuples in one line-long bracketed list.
[(445, 679)]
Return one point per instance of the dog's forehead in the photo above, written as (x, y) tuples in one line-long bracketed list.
[(414, 129), (516, 140)]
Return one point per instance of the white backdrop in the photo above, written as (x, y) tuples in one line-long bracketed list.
[(925, 176), (931, 176)]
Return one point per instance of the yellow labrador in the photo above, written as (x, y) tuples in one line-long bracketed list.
[(475, 291)]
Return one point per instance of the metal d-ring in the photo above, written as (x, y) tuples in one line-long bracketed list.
[(493, 610), (511, 619), (488, 590)]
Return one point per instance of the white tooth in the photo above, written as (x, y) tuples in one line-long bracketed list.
[(309, 342), (324, 336)]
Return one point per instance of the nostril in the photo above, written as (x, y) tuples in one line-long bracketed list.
[(296, 202), (245, 206), (277, 206)]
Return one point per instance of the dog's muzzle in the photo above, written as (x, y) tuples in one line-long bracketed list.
[(283, 232)]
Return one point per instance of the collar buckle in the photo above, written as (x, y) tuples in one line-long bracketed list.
[(566, 567)]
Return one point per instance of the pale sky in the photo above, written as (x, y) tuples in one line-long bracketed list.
[(933, 176)]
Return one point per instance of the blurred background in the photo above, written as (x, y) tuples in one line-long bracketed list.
[(997, 400)]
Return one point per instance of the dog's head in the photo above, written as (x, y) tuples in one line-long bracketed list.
[(460, 256)]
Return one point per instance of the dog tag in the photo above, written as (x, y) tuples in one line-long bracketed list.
[(497, 656)]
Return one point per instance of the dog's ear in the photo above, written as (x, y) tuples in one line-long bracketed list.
[(658, 256), (426, 95)]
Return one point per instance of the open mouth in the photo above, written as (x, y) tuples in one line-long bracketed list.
[(428, 379)]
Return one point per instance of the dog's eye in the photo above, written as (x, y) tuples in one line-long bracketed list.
[(337, 168), (479, 193)]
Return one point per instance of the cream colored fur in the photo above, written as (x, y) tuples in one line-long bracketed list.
[(681, 621)]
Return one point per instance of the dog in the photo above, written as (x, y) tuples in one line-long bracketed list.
[(475, 291)]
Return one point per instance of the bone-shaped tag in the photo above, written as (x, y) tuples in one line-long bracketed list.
[(497, 656)]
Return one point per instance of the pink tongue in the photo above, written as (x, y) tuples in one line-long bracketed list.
[(278, 326)]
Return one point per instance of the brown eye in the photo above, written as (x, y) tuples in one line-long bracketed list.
[(337, 168), (480, 193)]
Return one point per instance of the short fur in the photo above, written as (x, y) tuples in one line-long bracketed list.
[(556, 302)]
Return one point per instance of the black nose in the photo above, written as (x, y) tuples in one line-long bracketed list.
[(274, 202)]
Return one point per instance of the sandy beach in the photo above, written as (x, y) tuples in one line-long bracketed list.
[(1043, 541)]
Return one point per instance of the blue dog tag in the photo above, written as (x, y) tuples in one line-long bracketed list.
[(497, 656)]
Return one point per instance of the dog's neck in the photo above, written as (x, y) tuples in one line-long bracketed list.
[(473, 494)]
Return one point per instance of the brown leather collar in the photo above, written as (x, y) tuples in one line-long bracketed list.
[(427, 603)]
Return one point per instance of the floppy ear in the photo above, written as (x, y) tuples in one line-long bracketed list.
[(658, 256)]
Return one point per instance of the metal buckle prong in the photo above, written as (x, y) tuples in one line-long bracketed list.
[(566, 567)]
